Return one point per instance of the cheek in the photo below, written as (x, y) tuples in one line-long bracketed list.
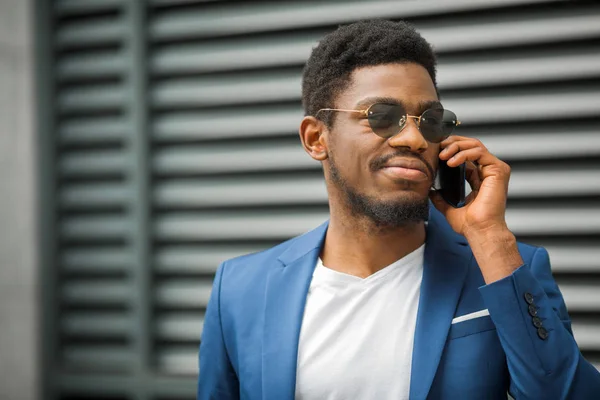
[(350, 151)]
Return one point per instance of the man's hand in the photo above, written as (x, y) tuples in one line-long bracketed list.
[(482, 219)]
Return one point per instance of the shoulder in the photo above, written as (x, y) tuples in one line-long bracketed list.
[(259, 258), (256, 264)]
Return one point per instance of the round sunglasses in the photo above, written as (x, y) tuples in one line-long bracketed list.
[(387, 120)]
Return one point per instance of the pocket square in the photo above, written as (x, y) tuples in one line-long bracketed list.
[(466, 317)]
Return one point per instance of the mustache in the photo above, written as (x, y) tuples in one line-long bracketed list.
[(380, 162)]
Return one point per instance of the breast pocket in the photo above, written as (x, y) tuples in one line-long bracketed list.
[(471, 327)]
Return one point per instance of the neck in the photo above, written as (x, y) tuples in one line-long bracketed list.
[(355, 245)]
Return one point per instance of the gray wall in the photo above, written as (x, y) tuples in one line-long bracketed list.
[(18, 287)]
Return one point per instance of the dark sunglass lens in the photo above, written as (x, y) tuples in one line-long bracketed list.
[(437, 124), (384, 119)]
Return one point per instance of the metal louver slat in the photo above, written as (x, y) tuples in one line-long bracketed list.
[(95, 260), (581, 296), (198, 259), (226, 193), (70, 7), (91, 98), (182, 294), (178, 360), (258, 17), (587, 334), (534, 144), (93, 195), (101, 30), (224, 158), (239, 225), (97, 324), (236, 54), (245, 89), (92, 65), (528, 221), (546, 104), (574, 182), (219, 124), (89, 358), (574, 259), (180, 327), (555, 26), (106, 292), (96, 227), (92, 130), (93, 163), (520, 69)]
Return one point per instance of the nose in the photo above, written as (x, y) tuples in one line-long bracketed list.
[(409, 137)]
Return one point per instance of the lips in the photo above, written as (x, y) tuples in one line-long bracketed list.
[(405, 169), (406, 164)]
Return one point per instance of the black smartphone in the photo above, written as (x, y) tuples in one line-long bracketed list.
[(450, 183)]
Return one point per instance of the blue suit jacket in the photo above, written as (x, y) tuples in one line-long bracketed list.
[(249, 342)]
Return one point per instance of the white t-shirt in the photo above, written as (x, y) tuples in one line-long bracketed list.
[(356, 339)]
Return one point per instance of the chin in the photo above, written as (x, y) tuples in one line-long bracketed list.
[(403, 195), (391, 210)]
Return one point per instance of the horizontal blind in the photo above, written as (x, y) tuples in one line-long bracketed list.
[(93, 192), (229, 175), (96, 328)]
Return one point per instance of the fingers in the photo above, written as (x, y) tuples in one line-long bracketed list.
[(472, 174), (461, 149)]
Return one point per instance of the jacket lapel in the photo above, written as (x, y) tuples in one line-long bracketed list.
[(446, 263), (285, 298), (447, 258)]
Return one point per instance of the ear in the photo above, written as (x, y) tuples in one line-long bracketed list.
[(313, 135)]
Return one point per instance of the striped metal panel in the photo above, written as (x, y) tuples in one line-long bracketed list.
[(522, 75), (228, 174), (93, 189)]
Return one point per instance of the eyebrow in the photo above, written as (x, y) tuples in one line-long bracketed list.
[(421, 106)]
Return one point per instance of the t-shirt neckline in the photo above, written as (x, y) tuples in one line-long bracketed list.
[(326, 274)]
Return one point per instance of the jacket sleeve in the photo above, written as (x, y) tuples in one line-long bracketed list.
[(217, 379), (534, 329)]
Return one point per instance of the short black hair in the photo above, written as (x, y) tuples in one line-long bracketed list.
[(361, 44)]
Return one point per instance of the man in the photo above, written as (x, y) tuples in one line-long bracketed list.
[(399, 295)]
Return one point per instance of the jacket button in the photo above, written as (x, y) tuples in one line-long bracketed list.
[(537, 322), (542, 333), (532, 310), (529, 298)]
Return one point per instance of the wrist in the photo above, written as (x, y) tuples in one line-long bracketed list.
[(496, 252), (493, 232)]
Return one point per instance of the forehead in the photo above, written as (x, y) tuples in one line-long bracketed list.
[(408, 83)]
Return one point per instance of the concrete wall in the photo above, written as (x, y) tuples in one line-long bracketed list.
[(18, 271)]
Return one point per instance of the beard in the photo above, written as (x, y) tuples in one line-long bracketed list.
[(385, 214)]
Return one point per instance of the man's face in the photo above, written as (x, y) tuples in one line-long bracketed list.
[(358, 162)]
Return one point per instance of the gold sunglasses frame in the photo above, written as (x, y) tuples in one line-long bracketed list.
[(403, 119)]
